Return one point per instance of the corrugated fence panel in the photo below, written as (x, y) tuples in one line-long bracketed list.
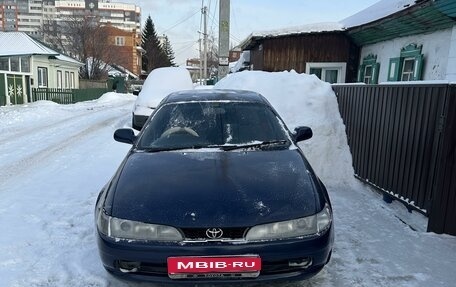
[(443, 216), (393, 136)]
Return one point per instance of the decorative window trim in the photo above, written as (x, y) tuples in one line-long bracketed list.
[(369, 61), (396, 65)]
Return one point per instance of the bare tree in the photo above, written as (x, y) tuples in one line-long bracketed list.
[(83, 38)]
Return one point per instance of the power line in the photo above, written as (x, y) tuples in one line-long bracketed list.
[(231, 35), (180, 22), (183, 49), (185, 42), (213, 18)]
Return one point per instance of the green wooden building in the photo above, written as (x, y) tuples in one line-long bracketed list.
[(26, 63)]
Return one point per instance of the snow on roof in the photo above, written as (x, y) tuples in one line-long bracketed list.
[(296, 30), (68, 59), (377, 11), (302, 29), (19, 43), (118, 70)]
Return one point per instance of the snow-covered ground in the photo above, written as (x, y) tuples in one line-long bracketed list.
[(54, 159)]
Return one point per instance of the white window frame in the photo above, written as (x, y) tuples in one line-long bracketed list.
[(341, 67), (72, 81), (59, 79), (120, 41), (368, 78), (412, 72), (42, 77), (67, 80)]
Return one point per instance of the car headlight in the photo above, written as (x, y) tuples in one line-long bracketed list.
[(306, 226), (133, 230)]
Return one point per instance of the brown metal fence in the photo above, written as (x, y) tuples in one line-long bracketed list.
[(402, 141)]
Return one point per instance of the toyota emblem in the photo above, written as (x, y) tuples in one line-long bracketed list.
[(214, 233)]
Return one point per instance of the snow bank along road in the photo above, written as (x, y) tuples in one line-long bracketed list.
[(54, 159)]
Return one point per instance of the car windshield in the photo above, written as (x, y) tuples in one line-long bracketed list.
[(213, 124)]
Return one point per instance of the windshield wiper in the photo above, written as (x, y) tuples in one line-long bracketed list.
[(256, 145), (158, 149)]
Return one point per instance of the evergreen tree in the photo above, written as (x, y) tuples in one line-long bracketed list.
[(155, 56), (168, 49)]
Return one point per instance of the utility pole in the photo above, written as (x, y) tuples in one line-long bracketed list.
[(200, 62), (205, 45), (224, 38)]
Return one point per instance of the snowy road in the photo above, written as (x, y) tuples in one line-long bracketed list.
[(54, 159)]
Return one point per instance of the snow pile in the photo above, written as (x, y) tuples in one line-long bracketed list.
[(112, 97), (304, 100), (242, 63)]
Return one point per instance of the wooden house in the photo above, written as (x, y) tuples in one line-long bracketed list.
[(322, 49), (26, 63)]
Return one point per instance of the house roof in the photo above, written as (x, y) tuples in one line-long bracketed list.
[(385, 20), (399, 19), (19, 44), (377, 11), (314, 28)]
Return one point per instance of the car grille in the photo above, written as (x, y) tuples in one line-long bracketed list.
[(200, 233)]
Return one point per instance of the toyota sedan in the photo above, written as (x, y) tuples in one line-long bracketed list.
[(214, 190)]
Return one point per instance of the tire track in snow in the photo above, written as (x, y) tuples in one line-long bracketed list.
[(23, 165), (17, 136), (50, 135)]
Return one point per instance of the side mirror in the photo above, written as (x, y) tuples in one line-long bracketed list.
[(135, 92), (125, 136), (302, 133)]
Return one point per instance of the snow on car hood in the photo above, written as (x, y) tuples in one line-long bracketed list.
[(231, 189), (162, 82)]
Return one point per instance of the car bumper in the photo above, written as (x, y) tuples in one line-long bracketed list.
[(275, 256)]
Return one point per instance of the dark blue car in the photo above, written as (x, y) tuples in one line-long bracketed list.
[(214, 190)]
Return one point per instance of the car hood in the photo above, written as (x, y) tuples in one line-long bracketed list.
[(214, 189)]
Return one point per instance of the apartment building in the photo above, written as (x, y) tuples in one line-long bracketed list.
[(21, 15), (29, 15)]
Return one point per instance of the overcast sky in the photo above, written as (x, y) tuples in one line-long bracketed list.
[(180, 20)]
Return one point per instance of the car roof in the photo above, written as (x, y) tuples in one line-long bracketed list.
[(210, 95)]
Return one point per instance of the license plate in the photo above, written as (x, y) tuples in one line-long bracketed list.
[(220, 266)]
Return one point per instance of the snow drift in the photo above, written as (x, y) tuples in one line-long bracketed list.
[(303, 99)]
